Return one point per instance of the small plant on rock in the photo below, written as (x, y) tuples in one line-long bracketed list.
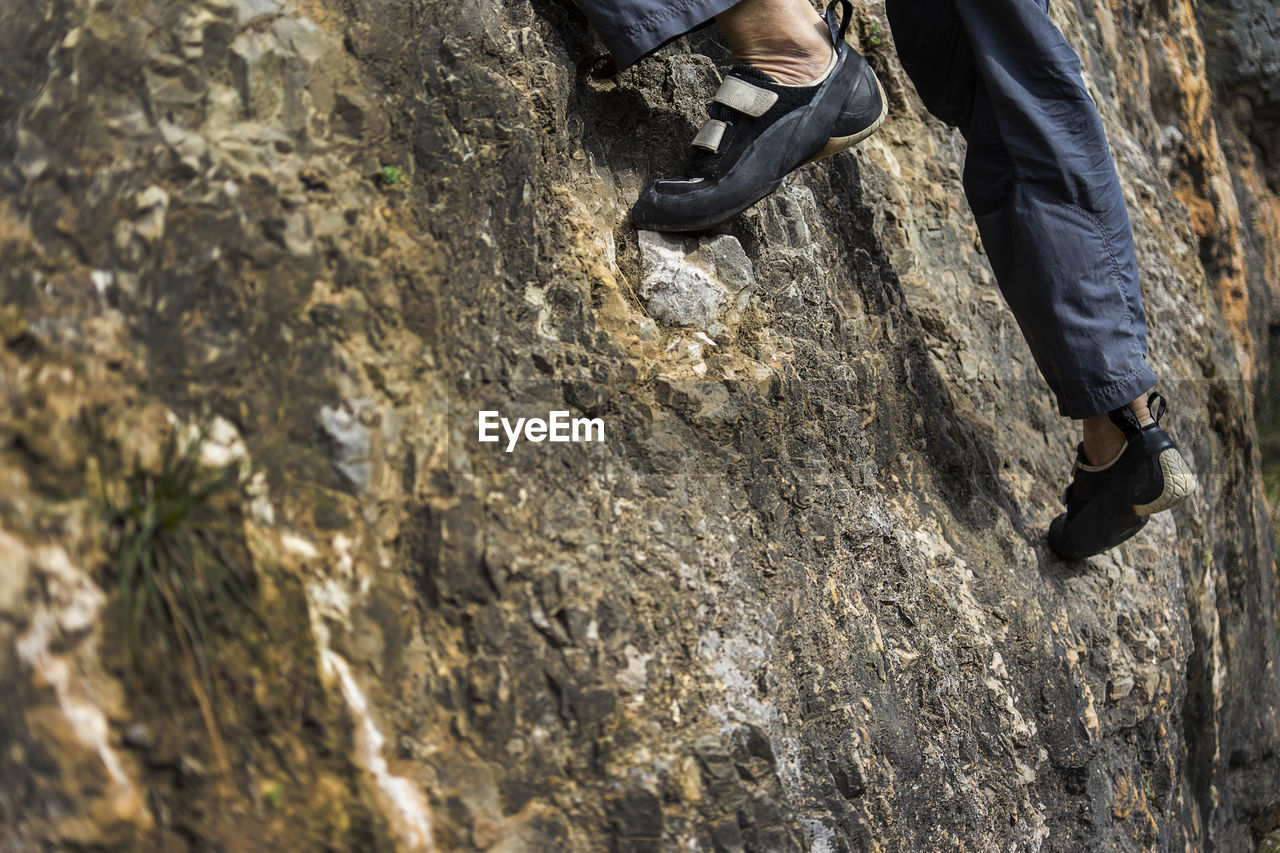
[(174, 581), (390, 176)]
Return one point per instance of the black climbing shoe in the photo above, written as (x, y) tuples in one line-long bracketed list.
[(760, 130), (1107, 505)]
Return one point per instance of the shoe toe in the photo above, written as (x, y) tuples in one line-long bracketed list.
[(675, 205), (1056, 537), (653, 210)]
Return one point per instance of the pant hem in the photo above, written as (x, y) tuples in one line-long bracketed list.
[(1113, 395), (640, 37)]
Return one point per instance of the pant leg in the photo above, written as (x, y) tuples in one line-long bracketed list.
[(1039, 178), (937, 56), (633, 29)]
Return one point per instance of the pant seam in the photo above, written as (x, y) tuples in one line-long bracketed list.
[(648, 22), (1114, 275), (1102, 391)]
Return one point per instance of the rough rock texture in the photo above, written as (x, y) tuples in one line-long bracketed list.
[(696, 281), (798, 599)]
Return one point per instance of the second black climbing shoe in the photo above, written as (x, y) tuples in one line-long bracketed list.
[(1108, 504), (760, 130)]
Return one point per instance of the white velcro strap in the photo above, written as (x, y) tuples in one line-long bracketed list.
[(710, 135), (745, 97)]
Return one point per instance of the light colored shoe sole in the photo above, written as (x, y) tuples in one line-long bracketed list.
[(1179, 483), (836, 144)]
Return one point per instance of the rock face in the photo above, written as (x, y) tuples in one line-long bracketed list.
[(797, 599)]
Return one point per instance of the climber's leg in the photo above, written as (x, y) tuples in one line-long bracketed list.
[(1127, 467), (1039, 177), (1048, 203)]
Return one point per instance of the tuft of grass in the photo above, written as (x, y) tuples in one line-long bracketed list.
[(175, 585), (391, 176), (873, 35)]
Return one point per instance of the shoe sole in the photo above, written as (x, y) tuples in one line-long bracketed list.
[(1179, 483), (836, 144), (1057, 535)]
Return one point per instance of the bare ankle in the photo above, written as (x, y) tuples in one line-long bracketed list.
[(1103, 440), (788, 63), (785, 39)]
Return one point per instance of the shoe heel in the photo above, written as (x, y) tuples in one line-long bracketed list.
[(1179, 482), (836, 144)]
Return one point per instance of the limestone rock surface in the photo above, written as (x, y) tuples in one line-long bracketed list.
[(695, 285), (797, 599)]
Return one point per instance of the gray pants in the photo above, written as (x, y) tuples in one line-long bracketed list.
[(1038, 174)]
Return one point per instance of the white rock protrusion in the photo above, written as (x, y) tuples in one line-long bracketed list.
[(695, 281)]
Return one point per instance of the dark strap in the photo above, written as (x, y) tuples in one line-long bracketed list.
[(1157, 406), (1126, 420), (838, 30)]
